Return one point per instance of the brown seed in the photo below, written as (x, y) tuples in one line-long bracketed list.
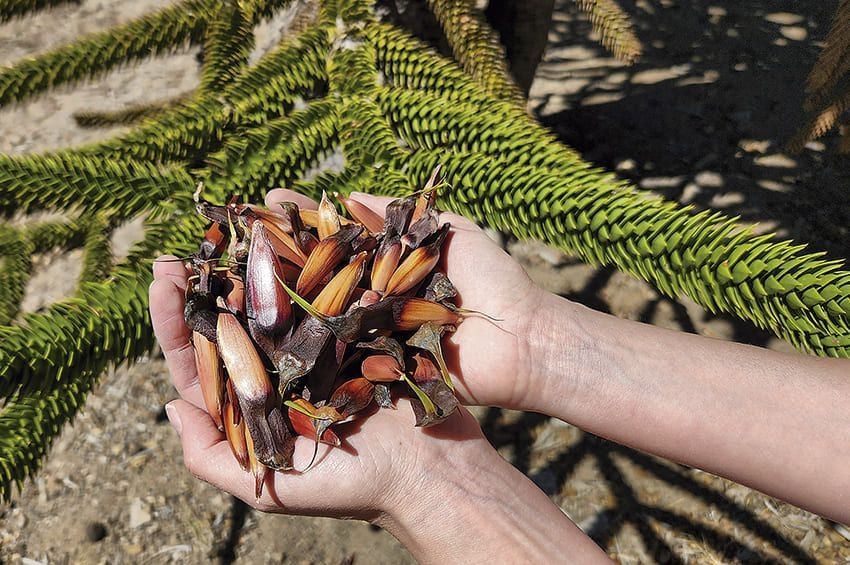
[(386, 261), (417, 311), (257, 400), (310, 218), (333, 299), (306, 425), (329, 222), (381, 368), (268, 306), (210, 376), (413, 269), (234, 429), (352, 396), (325, 257), (363, 214)]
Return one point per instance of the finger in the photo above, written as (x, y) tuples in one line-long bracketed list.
[(206, 452), (169, 267), (166, 306), (278, 195), (207, 455)]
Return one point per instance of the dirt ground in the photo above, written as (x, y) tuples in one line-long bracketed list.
[(701, 119)]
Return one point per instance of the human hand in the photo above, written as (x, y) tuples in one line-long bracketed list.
[(383, 460), (490, 361)]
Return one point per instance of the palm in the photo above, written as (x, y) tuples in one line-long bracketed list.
[(483, 354), (379, 452)]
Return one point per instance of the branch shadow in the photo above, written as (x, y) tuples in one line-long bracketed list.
[(225, 552), (703, 116)]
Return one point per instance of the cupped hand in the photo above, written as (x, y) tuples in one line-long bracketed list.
[(488, 359), (384, 461)]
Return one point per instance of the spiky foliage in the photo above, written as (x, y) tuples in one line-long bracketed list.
[(476, 46), (828, 84), (614, 28), (394, 109)]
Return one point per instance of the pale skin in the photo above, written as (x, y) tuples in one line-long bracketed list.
[(776, 422)]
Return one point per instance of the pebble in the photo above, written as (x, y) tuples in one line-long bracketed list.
[(139, 514), (95, 531)]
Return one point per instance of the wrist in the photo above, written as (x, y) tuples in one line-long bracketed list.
[(562, 356), (471, 505)]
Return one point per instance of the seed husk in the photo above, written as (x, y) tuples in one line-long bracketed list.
[(234, 429), (325, 257), (272, 442), (422, 230), (329, 222), (416, 266), (398, 214), (428, 337), (268, 307), (304, 423), (441, 400), (214, 242), (428, 197), (210, 376), (352, 396), (386, 261), (363, 214)]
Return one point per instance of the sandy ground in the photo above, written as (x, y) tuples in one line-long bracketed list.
[(700, 119)]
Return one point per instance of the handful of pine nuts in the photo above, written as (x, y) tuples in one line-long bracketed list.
[(304, 319)]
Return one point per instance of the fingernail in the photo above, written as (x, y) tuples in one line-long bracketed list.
[(173, 418)]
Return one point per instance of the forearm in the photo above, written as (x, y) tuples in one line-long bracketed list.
[(777, 422), (482, 510)]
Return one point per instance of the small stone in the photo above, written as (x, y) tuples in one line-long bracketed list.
[(139, 514), (794, 33), (95, 531), (132, 549)]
